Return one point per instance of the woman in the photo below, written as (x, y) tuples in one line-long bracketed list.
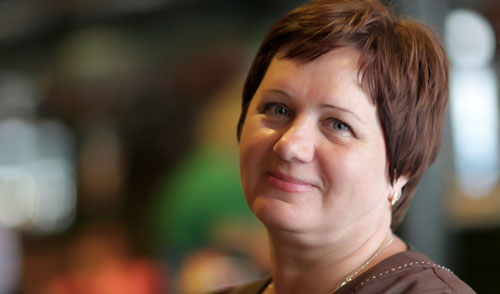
[(343, 111)]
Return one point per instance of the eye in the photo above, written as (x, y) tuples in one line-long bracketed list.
[(277, 109), (339, 125)]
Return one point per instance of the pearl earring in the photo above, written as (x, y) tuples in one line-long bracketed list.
[(395, 198)]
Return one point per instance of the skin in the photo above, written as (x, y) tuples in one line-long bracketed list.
[(314, 170)]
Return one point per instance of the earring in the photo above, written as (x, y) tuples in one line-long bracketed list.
[(395, 198)]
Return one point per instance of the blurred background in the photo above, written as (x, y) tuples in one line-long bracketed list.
[(118, 152)]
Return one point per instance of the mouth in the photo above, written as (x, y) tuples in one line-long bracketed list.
[(287, 183)]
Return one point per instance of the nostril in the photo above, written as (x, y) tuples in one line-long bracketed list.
[(278, 148), (294, 148)]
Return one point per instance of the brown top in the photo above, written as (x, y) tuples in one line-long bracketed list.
[(406, 272)]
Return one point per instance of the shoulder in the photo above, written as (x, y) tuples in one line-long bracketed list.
[(254, 287), (408, 272)]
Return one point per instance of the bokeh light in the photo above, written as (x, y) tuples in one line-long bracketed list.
[(473, 101)]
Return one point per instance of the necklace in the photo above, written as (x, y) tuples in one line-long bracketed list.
[(349, 278), (270, 288)]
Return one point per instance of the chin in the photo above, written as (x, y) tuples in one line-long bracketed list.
[(279, 215)]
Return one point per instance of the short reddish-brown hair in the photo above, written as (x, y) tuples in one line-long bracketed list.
[(403, 67)]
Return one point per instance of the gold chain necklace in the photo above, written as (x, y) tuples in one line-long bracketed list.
[(270, 287), (349, 278)]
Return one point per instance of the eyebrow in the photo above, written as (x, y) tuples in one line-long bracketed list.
[(323, 105), (342, 109)]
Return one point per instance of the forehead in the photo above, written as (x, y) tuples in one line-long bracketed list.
[(334, 71), (344, 53), (347, 59), (343, 61)]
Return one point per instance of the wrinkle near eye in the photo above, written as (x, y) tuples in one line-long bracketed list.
[(337, 129)]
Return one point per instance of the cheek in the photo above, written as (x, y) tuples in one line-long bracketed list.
[(256, 140), (356, 173), (341, 169), (375, 176), (255, 146), (380, 164)]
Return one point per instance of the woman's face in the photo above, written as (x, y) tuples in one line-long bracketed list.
[(312, 151)]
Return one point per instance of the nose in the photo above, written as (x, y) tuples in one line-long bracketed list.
[(297, 142)]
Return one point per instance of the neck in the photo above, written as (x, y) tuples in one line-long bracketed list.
[(301, 267)]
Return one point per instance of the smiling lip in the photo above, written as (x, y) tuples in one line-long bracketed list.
[(287, 183)]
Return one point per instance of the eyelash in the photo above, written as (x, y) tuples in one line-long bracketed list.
[(345, 127), (331, 122), (275, 105)]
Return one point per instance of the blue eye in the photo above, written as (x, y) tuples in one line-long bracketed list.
[(278, 109), (340, 126)]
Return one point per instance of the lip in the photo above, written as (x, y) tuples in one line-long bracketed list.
[(288, 183)]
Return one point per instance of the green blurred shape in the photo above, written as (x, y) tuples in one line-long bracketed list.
[(202, 192)]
